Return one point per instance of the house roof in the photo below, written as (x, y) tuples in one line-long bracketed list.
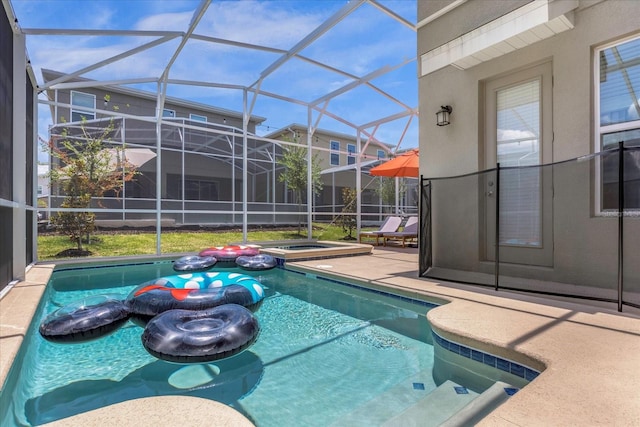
[(343, 136), (50, 75), (364, 167)]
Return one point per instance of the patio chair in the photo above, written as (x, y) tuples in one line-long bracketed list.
[(408, 233), (392, 223)]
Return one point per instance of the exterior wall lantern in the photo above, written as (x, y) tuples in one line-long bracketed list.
[(442, 116)]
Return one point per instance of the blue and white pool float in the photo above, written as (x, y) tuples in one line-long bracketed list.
[(195, 291)]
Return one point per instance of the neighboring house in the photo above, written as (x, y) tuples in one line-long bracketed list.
[(43, 180), (202, 173), (201, 154), (337, 155), (532, 83)]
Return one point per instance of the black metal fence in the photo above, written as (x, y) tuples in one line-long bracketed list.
[(567, 229)]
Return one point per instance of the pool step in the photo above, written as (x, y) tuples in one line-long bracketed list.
[(403, 395), (435, 408), (480, 407)]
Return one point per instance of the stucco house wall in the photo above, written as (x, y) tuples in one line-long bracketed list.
[(584, 244)]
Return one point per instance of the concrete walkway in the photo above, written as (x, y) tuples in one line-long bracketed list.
[(589, 355)]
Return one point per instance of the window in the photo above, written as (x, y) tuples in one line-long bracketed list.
[(195, 188), (198, 118), (83, 105), (169, 113), (335, 153), (382, 154), (618, 120), (518, 144), (351, 156), (200, 189)]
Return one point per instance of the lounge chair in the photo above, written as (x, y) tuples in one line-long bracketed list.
[(408, 233), (391, 224)]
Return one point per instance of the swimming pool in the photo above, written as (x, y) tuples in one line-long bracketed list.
[(322, 345)]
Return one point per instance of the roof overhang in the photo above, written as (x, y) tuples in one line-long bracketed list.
[(364, 167), (535, 21)]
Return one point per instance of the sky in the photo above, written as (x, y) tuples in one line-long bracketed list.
[(362, 43)]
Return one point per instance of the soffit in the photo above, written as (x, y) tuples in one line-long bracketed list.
[(526, 25)]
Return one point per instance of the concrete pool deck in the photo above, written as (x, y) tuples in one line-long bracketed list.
[(589, 354)]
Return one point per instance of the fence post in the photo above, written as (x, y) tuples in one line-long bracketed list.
[(620, 222), (425, 242), (497, 237)]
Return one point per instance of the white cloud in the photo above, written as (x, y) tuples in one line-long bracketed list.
[(360, 44), (176, 21)]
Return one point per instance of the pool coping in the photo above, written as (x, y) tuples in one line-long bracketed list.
[(588, 355)]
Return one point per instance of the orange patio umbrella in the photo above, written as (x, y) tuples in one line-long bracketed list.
[(404, 165)]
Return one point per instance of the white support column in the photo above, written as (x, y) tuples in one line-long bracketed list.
[(397, 195), (273, 184), (358, 185), (245, 153), (123, 145), (309, 175), (19, 156), (162, 88), (36, 149)]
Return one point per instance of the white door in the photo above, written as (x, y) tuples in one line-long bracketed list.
[(519, 136)]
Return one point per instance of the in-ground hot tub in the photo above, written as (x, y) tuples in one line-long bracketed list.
[(312, 249)]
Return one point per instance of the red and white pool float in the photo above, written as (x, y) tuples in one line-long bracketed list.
[(229, 253)]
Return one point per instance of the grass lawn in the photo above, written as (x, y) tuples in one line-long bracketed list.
[(115, 244)]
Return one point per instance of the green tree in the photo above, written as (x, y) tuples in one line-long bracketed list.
[(347, 220), (294, 161), (386, 190), (87, 169)]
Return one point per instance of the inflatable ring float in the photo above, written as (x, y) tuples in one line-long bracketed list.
[(85, 320), (185, 336), (256, 262), (229, 253), (194, 263), (194, 291)]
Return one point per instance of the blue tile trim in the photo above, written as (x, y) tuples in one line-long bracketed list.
[(510, 391), (364, 288), (461, 390), (93, 267), (514, 368)]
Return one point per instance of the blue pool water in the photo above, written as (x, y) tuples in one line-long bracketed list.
[(325, 351)]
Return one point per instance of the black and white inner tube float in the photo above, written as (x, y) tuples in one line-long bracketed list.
[(85, 320), (186, 336), (193, 263), (189, 318), (256, 262)]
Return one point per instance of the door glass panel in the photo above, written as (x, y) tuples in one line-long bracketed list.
[(518, 144)]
